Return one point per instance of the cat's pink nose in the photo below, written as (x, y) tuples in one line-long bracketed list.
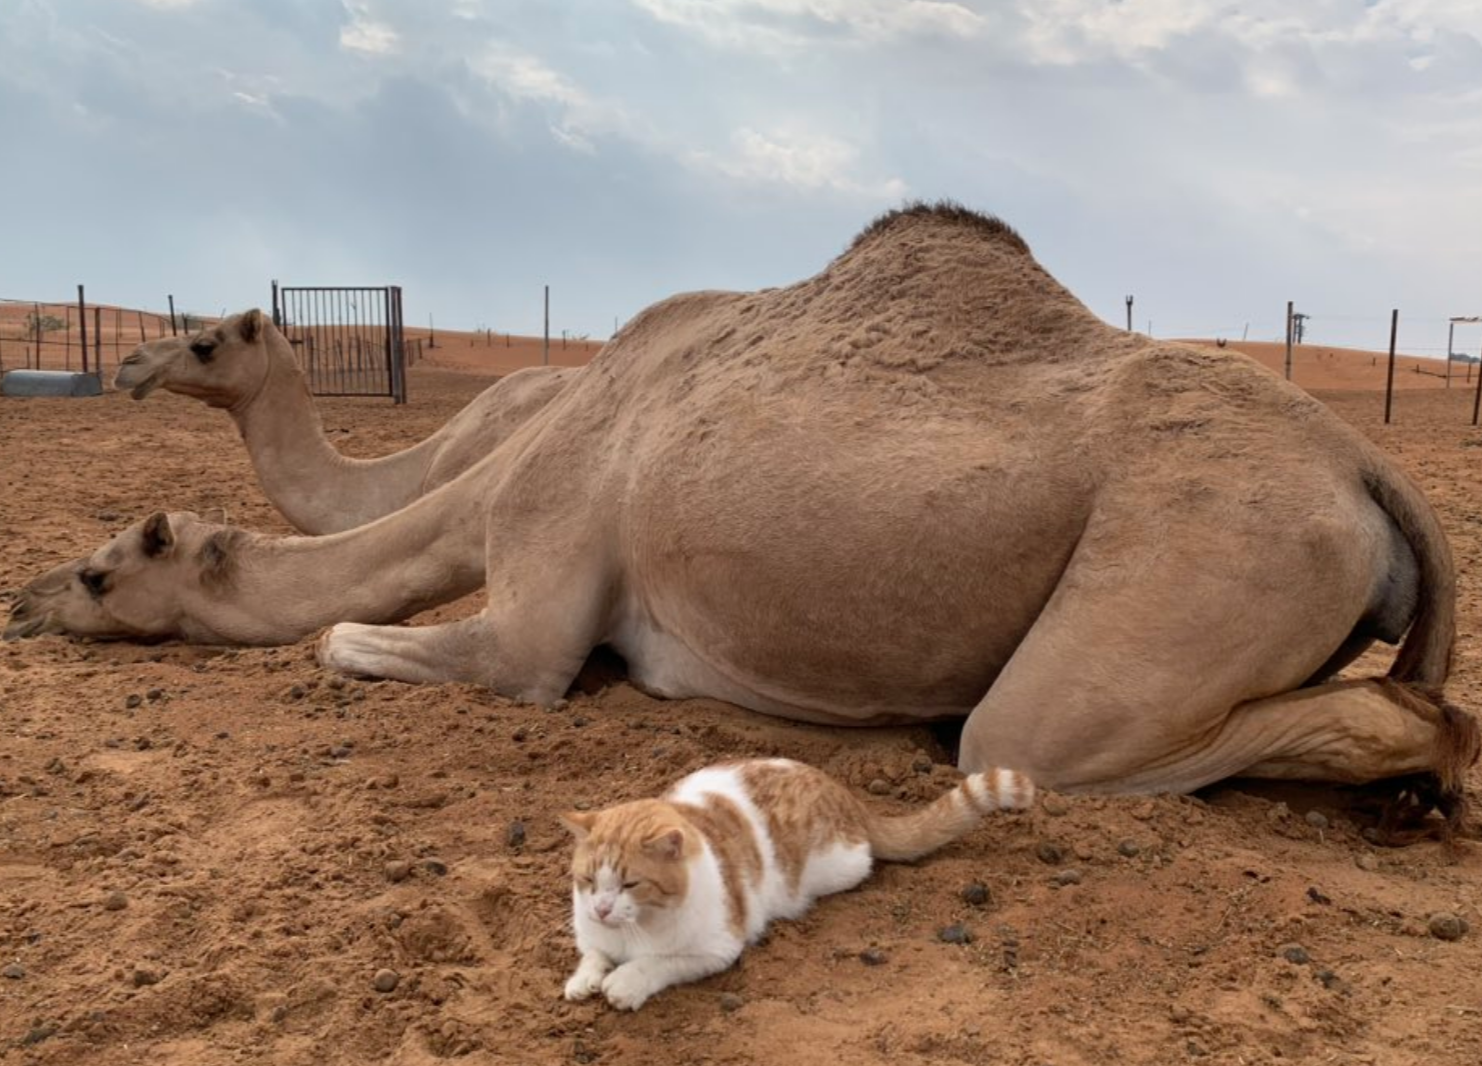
[(604, 909)]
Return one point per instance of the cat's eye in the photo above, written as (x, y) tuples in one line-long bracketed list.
[(629, 885)]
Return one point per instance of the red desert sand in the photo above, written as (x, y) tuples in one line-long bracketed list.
[(214, 855)]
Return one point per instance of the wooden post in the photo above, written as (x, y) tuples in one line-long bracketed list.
[(174, 329), (1389, 383), (545, 348), (98, 340), (1450, 333), (1129, 314), (82, 325), (1289, 344), (1476, 403)]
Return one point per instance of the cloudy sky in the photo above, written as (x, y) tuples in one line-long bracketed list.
[(1213, 158)]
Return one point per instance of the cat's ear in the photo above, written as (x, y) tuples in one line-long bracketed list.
[(579, 822), (666, 845)]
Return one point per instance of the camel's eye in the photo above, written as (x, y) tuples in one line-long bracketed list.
[(203, 348), (95, 581)]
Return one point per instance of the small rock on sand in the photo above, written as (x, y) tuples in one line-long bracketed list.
[(956, 933), (115, 901), (1054, 805), (386, 980), (1049, 853), (976, 894), (873, 957), (1295, 953), (1446, 926), (398, 870)]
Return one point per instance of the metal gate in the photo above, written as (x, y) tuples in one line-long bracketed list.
[(348, 339)]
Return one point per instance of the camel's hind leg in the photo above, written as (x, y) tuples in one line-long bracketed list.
[(1350, 732), (1155, 675)]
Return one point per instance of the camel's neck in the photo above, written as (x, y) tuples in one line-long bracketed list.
[(314, 486), (278, 590)]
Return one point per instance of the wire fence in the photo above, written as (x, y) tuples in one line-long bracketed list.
[(77, 336)]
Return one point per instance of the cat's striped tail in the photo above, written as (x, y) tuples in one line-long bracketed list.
[(910, 836)]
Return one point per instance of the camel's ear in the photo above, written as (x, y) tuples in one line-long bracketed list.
[(158, 536), (217, 516), (250, 325), (579, 822), (666, 845)]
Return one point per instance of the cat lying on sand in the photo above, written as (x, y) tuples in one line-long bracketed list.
[(666, 891)]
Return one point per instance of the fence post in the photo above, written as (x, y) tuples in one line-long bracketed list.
[(1389, 383), (1476, 403), (82, 325), (545, 347), (98, 341), (1289, 344), (174, 330)]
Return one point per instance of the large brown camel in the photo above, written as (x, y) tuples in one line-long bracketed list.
[(925, 483), (245, 366)]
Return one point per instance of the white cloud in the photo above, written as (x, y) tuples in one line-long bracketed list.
[(364, 34), (785, 25), (580, 116), (812, 163)]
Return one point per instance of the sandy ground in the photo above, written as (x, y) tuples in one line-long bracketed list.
[(207, 855)]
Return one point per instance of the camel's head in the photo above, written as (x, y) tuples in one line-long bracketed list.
[(223, 365), (137, 586)]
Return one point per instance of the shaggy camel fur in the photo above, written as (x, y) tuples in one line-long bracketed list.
[(924, 483), (246, 366)]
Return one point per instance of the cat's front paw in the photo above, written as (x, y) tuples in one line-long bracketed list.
[(587, 981), (627, 988)]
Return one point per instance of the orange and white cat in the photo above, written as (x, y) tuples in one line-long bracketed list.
[(671, 890)]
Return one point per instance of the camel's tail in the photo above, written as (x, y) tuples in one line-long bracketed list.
[(910, 836), (1425, 653)]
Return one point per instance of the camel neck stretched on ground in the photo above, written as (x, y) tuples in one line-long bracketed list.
[(924, 483), (246, 366)]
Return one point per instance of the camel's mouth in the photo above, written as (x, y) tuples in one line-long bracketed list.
[(22, 626), (137, 378)]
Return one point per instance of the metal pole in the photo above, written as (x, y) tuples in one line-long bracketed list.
[(82, 325), (1389, 384), (545, 348), (1289, 344), (1129, 314), (174, 329), (1477, 403), (1450, 333), (98, 340), (277, 316)]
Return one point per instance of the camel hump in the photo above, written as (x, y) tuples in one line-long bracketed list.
[(1425, 654)]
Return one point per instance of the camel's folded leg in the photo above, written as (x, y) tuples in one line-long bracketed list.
[(1148, 678), (1349, 732), (472, 650)]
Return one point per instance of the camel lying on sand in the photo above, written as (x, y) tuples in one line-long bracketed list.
[(246, 366), (924, 483)]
